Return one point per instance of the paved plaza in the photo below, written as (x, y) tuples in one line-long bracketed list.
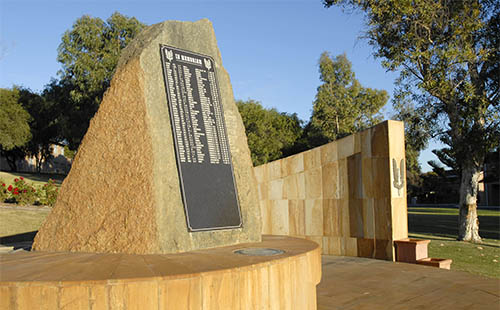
[(361, 283)]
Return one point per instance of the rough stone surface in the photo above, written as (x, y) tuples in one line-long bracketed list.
[(123, 193)]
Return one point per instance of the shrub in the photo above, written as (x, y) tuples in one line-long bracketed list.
[(3, 191), (22, 192), (50, 193)]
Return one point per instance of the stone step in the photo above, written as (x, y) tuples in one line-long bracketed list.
[(443, 263)]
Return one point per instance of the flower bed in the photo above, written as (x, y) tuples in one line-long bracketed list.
[(24, 193)]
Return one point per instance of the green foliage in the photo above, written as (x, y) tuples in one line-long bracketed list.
[(89, 53), (413, 172), (449, 60), (73, 118), (3, 191), (69, 153), (49, 193), (271, 135), (14, 127), (24, 193), (417, 134), (12, 156), (41, 118), (446, 157), (44, 125), (437, 188), (342, 105)]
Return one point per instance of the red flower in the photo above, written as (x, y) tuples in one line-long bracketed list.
[(21, 178), (24, 191), (16, 180), (3, 184), (10, 188)]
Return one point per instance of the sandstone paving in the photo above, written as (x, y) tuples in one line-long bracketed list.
[(347, 282), (361, 283)]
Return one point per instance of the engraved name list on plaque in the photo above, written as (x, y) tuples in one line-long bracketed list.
[(200, 138)]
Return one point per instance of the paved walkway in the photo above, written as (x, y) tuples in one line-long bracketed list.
[(361, 283), (350, 283)]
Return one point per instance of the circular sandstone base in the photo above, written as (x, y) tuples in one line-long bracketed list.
[(216, 278)]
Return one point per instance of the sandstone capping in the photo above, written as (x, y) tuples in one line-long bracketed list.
[(123, 192)]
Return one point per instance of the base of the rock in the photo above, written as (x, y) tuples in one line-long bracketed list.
[(215, 278)]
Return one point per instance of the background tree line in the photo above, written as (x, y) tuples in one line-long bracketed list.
[(30, 123), (447, 54), (342, 106), (89, 53)]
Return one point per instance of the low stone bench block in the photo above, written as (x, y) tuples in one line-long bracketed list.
[(204, 279)]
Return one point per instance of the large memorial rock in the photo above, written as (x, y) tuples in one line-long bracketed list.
[(154, 173)]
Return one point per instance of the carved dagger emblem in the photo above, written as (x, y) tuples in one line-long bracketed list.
[(208, 63), (399, 174), (169, 54)]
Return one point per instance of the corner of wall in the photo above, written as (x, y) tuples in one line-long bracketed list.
[(341, 194)]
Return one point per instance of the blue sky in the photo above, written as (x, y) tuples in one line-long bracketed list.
[(269, 47)]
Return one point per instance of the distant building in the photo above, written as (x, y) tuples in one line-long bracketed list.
[(489, 186), (57, 163), (443, 188)]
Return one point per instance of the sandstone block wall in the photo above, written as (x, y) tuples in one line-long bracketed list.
[(343, 195)]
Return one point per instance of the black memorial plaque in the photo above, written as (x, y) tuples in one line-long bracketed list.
[(201, 144)]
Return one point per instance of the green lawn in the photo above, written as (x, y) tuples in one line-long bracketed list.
[(13, 222), (440, 226), (36, 179), (22, 220), (443, 222), (449, 211)]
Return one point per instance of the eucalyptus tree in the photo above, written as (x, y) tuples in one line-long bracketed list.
[(270, 134), (89, 53), (14, 126), (342, 105), (44, 125), (447, 53)]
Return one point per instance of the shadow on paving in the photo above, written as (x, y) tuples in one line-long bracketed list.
[(446, 225), (19, 241)]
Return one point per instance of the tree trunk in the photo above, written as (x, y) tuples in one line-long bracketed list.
[(11, 161), (468, 223), (38, 163)]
